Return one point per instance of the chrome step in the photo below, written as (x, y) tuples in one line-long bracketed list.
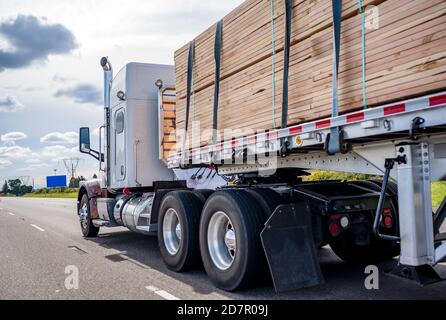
[(147, 229), (440, 237), (145, 215), (100, 223)]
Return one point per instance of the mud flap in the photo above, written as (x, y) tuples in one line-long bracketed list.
[(290, 250)]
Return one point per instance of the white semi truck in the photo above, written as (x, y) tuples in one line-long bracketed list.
[(268, 223)]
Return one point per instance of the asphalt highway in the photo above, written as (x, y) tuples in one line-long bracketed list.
[(42, 249)]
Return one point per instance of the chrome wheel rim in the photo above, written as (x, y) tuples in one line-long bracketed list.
[(83, 216), (222, 243), (172, 231)]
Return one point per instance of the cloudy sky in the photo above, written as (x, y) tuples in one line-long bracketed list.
[(50, 79)]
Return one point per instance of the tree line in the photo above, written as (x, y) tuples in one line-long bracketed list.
[(15, 186)]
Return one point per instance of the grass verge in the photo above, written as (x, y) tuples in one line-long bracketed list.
[(66, 195)]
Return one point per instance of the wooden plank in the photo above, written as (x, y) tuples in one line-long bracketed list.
[(403, 56), (249, 40)]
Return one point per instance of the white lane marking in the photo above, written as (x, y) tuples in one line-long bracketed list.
[(37, 227), (11, 214), (164, 294)]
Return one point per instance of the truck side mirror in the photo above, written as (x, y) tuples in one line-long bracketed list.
[(84, 140), (84, 145)]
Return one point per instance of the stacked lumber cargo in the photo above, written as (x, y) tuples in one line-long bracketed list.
[(168, 124), (405, 54)]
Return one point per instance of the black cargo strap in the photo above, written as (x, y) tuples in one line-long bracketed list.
[(286, 62), (190, 76), (217, 57), (286, 69), (334, 143)]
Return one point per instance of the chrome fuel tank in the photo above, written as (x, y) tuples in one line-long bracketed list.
[(136, 214)]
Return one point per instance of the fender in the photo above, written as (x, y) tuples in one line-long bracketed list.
[(93, 190)]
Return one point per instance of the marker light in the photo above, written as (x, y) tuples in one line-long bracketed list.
[(159, 83), (334, 229), (345, 222), (388, 222)]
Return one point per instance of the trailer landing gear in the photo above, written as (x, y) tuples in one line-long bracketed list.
[(423, 275)]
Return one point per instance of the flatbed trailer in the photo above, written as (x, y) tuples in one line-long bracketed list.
[(411, 133)]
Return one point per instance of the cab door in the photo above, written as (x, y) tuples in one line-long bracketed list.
[(120, 145)]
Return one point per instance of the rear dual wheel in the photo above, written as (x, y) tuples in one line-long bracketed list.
[(230, 244), (178, 223), (226, 232)]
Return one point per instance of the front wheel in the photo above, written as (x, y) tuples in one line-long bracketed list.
[(89, 230)]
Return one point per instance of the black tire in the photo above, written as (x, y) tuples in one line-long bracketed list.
[(204, 194), (376, 251), (188, 208), (267, 198), (89, 230), (249, 264)]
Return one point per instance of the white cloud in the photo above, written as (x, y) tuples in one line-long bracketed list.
[(83, 93), (60, 138), (32, 161), (59, 78), (13, 136), (58, 152), (34, 167), (15, 152), (10, 104), (5, 163)]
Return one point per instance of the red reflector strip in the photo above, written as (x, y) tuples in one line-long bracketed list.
[(355, 117), (436, 101), (394, 109), (296, 130), (323, 124), (272, 135), (252, 139), (218, 147)]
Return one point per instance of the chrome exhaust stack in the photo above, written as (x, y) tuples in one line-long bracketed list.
[(108, 80)]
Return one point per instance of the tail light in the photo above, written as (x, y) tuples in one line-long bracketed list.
[(334, 228), (387, 219)]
